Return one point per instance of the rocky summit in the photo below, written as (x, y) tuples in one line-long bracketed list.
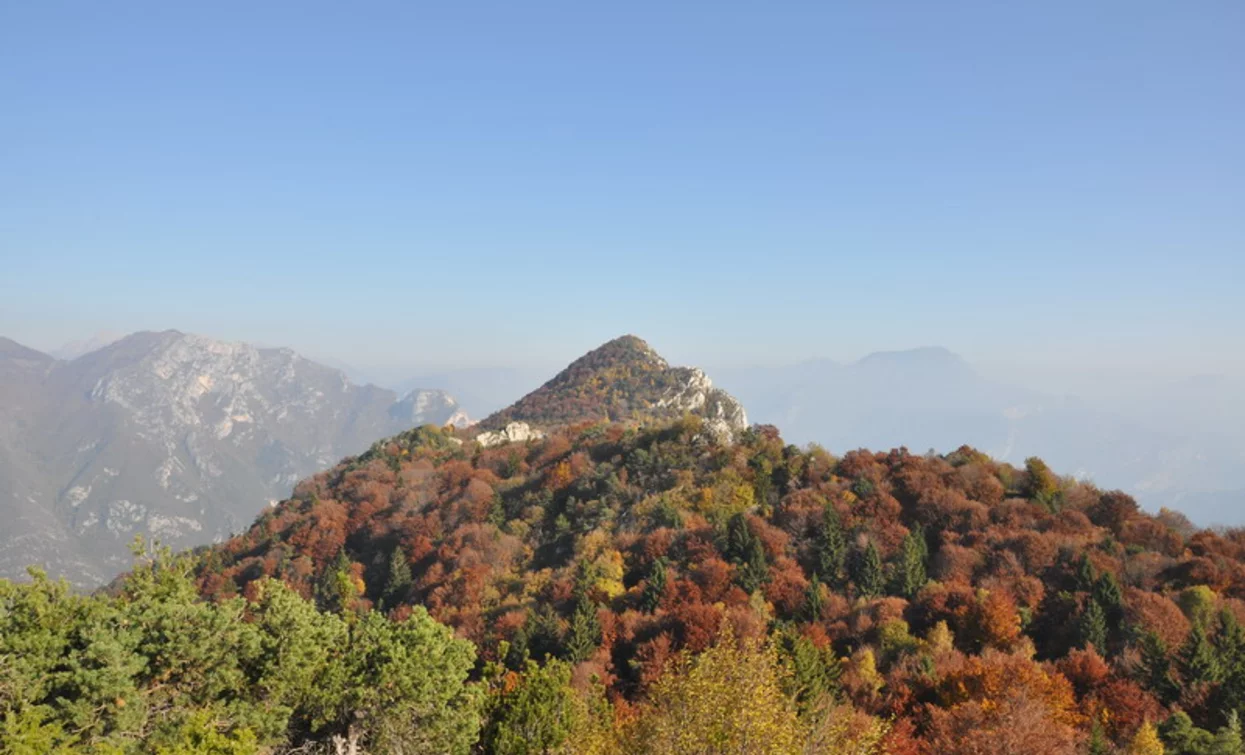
[(622, 380)]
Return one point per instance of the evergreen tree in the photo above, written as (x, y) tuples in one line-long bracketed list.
[(399, 582), (1198, 661), (1106, 592), (655, 586), (910, 571), (815, 601), (1156, 668), (585, 633), (1086, 575), (867, 572), (745, 550), (1092, 627), (536, 715), (831, 548), (755, 571), (1230, 658), (1098, 740), (1228, 738)]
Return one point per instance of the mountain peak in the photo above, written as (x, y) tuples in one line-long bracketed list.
[(623, 379)]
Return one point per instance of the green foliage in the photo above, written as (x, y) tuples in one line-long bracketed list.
[(536, 714), (831, 548), (1092, 626), (910, 570), (585, 632), (1198, 660), (813, 673), (399, 581), (866, 572), (745, 550), (655, 586), (155, 669)]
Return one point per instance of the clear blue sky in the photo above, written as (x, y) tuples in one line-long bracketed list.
[(462, 183)]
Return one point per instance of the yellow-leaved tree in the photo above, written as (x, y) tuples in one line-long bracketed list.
[(1146, 741), (728, 699)]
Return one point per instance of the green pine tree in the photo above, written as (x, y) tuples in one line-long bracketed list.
[(1092, 627), (814, 601), (1198, 660), (867, 572), (910, 571), (399, 582), (831, 548), (585, 633), (654, 587)]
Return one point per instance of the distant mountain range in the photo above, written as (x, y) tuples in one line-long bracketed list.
[(1182, 447), (174, 436)]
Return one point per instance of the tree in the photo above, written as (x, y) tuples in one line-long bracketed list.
[(398, 682), (815, 601), (535, 713), (867, 572), (1198, 660), (1092, 626), (1146, 741), (910, 571), (655, 586), (399, 582), (699, 705), (746, 551), (585, 632), (831, 548)]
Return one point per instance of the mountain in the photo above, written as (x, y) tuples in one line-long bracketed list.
[(77, 348), (623, 380), (1159, 448), (480, 391), (174, 436), (975, 605)]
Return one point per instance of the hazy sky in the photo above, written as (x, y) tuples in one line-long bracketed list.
[(1048, 184)]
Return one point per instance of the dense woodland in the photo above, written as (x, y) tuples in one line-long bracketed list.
[(647, 588)]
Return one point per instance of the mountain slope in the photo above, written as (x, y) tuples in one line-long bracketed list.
[(175, 436), (622, 380), (955, 595)]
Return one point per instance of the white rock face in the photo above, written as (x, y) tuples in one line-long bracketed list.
[(515, 432), (724, 416)]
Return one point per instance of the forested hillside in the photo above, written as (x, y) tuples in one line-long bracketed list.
[(652, 586), (958, 602)]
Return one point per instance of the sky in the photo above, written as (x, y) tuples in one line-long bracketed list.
[(1041, 187)]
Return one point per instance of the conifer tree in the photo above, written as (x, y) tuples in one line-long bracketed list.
[(1198, 660), (1092, 627), (815, 601), (867, 572), (585, 633), (831, 548), (655, 586), (910, 571), (399, 582)]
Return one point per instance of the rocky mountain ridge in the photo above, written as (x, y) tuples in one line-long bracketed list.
[(171, 435)]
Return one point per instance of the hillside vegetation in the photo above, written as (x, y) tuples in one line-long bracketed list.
[(648, 586)]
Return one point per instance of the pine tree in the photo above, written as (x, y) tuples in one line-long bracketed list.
[(1092, 628), (910, 572), (585, 633), (1098, 741), (1230, 657), (655, 586), (1228, 739), (1198, 661), (1156, 668), (815, 600), (1086, 576), (399, 582), (1106, 592), (831, 548), (755, 571), (867, 572)]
